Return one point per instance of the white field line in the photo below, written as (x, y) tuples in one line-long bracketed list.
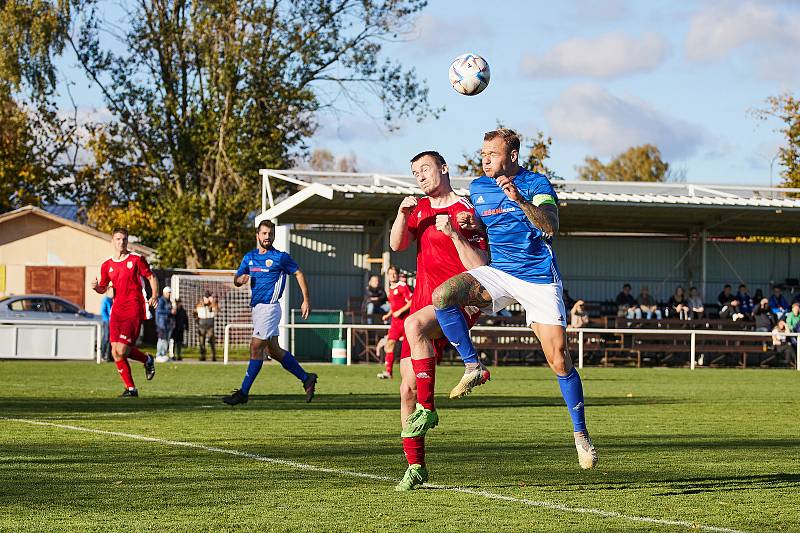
[(350, 473)]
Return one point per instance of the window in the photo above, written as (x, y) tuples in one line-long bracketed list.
[(36, 305), (57, 306)]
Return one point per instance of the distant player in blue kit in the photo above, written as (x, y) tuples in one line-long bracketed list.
[(519, 209), (266, 269)]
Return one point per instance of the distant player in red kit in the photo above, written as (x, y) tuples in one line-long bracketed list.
[(399, 296), (446, 244), (125, 271)]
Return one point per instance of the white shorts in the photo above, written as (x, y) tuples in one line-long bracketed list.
[(266, 319), (543, 302)]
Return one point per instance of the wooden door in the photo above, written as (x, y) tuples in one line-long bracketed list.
[(40, 280), (71, 284), (67, 282)]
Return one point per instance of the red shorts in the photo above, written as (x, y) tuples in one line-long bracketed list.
[(125, 330), (397, 329), (440, 344)]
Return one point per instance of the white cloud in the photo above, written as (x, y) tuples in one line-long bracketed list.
[(610, 124), (605, 56), (349, 128), (722, 27), (437, 34)]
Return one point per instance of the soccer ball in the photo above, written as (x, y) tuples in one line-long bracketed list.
[(469, 74)]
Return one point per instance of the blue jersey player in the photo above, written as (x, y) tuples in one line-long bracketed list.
[(267, 269), (520, 211)]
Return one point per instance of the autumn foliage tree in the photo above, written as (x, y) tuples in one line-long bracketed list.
[(786, 108), (638, 163)]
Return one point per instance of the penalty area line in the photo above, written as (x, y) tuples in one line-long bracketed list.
[(349, 473)]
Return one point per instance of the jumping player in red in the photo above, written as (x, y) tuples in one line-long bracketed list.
[(441, 250), (399, 296), (125, 270)]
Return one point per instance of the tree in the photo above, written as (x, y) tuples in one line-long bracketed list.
[(538, 150), (638, 163), (206, 92), (786, 108), (322, 160)]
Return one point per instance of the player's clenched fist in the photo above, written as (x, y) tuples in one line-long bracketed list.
[(443, 225), (465, 220), (407, 205), (507, 185)]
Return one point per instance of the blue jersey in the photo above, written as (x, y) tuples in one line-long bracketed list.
[(267, 274), (517, 247)]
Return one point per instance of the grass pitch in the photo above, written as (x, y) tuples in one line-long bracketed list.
[(703, 449)]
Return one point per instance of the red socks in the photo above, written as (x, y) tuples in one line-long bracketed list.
[(389, 362), (414, 448), (137, 355), (124, 370), (425, 369)]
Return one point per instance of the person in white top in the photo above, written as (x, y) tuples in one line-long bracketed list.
[(205, 312)]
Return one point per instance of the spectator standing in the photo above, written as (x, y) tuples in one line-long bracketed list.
[(725, 296), (164, 322), (695, 303), (105, 314), (764, 317), (375, 300), (777, 303), (578, 317), (677, 304), (647, 304), (746, 304), (206, 312), (181, 325), (626, 303)]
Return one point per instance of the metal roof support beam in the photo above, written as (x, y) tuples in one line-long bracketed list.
[(311, 189), (703, 262)]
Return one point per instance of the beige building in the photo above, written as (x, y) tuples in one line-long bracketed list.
[(43, 253)]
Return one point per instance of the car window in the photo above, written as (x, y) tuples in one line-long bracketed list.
[(36, 305), (57, 306)]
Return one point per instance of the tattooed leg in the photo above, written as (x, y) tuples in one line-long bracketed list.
[(461, 291), (448, 299)]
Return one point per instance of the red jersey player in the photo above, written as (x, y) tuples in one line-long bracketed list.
[(399, 296), (441, 251), (125, 270)]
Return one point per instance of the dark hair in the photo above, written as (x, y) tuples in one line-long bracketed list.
[(267, 223), (510, 137), (119, 230), (627, 285), (692, 289), (727, 286), (393, 267), (432, 153), (742, 285)]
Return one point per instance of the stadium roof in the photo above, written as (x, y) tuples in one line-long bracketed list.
[(585, 206)]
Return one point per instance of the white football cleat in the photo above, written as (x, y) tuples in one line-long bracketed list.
[(587, 454)]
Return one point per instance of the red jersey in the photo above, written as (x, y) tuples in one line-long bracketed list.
[(126, 276), (398, 296), (437, 258)]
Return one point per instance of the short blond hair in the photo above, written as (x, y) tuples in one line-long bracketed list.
[(510, 138)]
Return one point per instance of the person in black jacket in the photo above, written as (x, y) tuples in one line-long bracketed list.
[(181, 325)]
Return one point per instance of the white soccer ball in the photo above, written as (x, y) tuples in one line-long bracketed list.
[(469, 74)]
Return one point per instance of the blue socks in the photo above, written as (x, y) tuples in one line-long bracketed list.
[(455, 328), (572, 391), (250, 376), (291, 365)]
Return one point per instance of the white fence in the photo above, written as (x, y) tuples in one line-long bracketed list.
[(50, 339), (693, 334)]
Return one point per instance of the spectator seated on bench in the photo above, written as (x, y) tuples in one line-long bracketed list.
[(647, 304)]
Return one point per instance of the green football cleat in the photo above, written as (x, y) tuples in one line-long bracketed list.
[(420, 421), (415, 476)]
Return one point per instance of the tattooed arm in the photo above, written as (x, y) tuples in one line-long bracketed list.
[(544, 217), (470, 256)]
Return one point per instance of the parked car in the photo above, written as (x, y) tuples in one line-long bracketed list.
[(42, 307)]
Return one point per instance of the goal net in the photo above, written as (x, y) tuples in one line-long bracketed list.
[(234, 305)]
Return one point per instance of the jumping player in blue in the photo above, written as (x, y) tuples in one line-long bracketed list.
[(520, 211), (266, 269)]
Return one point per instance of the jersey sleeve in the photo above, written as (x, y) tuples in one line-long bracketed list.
[(540, 192), (288, 264), (243, 267), (105, 279), (407, 292), (144, 267)]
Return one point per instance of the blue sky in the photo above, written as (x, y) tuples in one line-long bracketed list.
[(597, 77)]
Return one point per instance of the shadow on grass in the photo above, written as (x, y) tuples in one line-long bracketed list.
[(286, 402)]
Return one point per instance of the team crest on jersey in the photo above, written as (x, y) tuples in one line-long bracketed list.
[(479, 200), (130, 264), (269, 262), (419, 214), (111, 269), (395, 292), (250, 263)]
